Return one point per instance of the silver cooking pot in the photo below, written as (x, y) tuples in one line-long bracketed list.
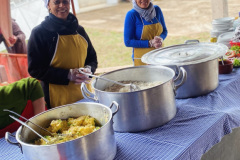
[(99, 145), (200, 60), (144, 109)]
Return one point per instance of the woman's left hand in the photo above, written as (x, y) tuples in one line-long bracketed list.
[(77, 77), (157, 42), (82, 77)]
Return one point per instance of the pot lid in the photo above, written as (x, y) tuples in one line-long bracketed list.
[(191, 52)]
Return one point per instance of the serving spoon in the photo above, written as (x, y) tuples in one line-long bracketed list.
[(21, 122), (132, 87), (27, 120)]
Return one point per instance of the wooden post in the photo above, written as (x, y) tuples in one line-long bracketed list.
[(6, 21), (73, 8), (219, 8)]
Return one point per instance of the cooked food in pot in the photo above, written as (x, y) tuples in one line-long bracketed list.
[(72, 128), (141, 84)]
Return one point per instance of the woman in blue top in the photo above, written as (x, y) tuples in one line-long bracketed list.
[(144, 29)]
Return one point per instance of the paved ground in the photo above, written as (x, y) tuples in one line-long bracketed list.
[(182, 16)]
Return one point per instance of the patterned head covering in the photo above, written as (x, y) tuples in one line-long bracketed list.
[(148, 14)]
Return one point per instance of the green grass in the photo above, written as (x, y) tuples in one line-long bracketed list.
[(112, 52), (173, 40), (110, 48)]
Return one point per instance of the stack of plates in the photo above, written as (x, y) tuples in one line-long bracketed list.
[(225, 38), (222, 25)]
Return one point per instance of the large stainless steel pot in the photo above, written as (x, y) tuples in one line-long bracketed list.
[(144, 109), (200, 60), (99, 145)]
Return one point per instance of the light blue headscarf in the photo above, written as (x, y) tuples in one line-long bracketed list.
[(148, 14)]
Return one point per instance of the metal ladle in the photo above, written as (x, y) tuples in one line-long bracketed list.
[(27, 120), (29, 128), (132, 87)]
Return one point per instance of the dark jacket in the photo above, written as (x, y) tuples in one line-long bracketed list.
[(42, 45)]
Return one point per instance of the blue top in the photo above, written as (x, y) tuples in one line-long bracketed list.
[(133, 28)]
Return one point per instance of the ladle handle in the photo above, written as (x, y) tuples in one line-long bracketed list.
[(109, 80), (19, 121)]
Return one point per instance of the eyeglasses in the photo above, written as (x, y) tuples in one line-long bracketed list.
[(63, 2)]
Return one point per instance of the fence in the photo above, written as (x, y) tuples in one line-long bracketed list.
[(16, 66)]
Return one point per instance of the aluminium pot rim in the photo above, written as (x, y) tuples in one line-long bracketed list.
[(134, 67), (145, 58), (19, 130)]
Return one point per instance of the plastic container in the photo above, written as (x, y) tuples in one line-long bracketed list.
[(234, 43), (226, 68), (213, 39)]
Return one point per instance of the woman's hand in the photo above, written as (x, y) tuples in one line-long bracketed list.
[(156, 42), (77, 77), (12, 40)]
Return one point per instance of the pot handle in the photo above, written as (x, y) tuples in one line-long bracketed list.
[(191, 41), (184, 78), (178, 73), (7, 134), (117, 107), (87, 94)]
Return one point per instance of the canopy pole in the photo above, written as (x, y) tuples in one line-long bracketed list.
[(73, 8), (219, 8)]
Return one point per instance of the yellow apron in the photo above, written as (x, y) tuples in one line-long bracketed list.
[(148, 33), (71, 53)]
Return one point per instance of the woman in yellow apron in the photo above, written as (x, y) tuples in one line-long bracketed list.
[(144, 29), (56, 49)]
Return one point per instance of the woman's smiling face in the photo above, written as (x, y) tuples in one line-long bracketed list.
[(59, 8), (143, 3)]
